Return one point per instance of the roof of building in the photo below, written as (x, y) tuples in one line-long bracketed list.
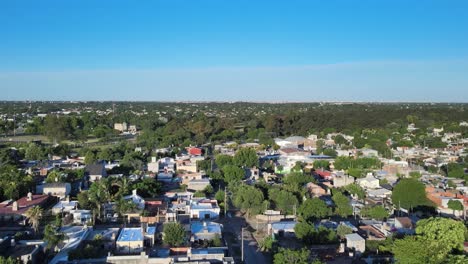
[(285, 225), (405, 222), (151, 230), (23, 204), (210, 227), (354, 237), (95, 169), (130, 234), (56, 185)]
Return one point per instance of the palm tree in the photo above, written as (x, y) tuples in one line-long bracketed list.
[(34, 214), (124, 186), (98, 195)]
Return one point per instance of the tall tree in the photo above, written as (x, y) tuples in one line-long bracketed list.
[(292, 256), (174, 234), (34, 215), (314, 209), (246, 157), (409, 193)]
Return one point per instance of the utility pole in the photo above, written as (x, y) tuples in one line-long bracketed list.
[(225, 202), (242, 244)]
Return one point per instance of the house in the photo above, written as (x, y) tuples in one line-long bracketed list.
[(153, 166), (136, 199), (186, 165), (205, 230), (404, 225), (122, 127), (198, 185), (323, 174), (369, 182), (25, 253), (64, 207), (282, 228), (81, 216), (167, 165), (369, 153), (316, 190), (203, 208), (95, 172), (372, 232), (195, 151), (379, 193), (59, 189), (356, 243), (14, 210), (130, 240), (185, 178), (134, 239), (339, 179)]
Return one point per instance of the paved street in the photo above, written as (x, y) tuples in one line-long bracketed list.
[(233, 225)]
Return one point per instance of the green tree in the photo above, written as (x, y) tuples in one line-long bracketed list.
[(34, 152), (249, 199), (147, 187), (55, 176), (292, 256), (98, 195), (314, 209), (342, 206), (436, 241), (52, 236), (223, 160), (34, 215), (283, 200), (90, 157), (375, 212), (343, 230), (295, 181), (174, 234), (267, 244), (409, 193), (84, 200), (233, 173), (455, 205), (246, 157), (219, 196), (355, 189), (9, 260)]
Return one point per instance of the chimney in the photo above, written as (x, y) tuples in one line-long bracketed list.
[(30, 196), (15, 206), (134, 192)]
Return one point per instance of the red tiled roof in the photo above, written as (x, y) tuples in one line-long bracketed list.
[(23, 204)]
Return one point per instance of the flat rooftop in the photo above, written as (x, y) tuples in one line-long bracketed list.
[(130, 234)]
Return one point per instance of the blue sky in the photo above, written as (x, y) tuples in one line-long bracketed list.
[(234, 50)]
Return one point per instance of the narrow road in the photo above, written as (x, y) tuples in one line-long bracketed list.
[(234, 225)]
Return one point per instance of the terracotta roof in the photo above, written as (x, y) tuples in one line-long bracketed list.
[(23, 204)]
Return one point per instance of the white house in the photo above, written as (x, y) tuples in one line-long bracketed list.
[(356, 242), (81, 216), (136, 199), (369, 182), (284, 228), (64, 207), (59, 189), (205, 230), (203, 208)]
